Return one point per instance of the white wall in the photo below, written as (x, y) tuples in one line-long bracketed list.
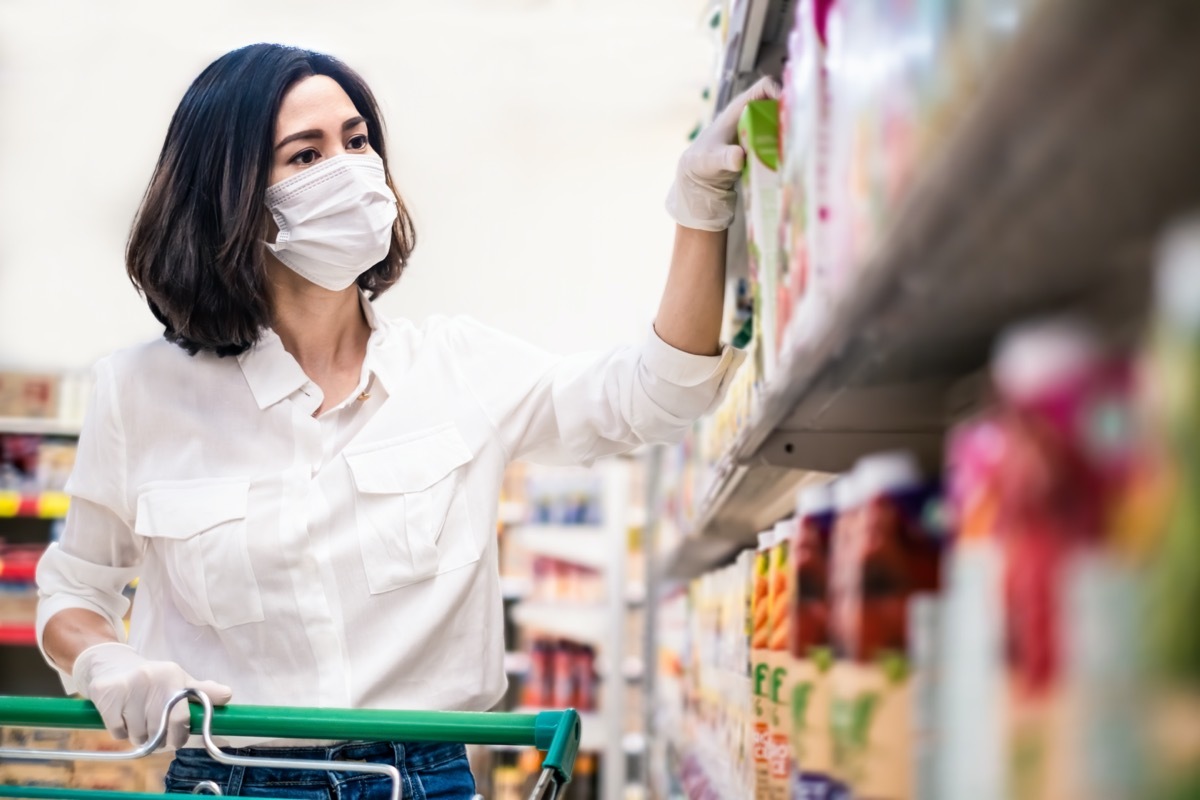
[(534, 141)]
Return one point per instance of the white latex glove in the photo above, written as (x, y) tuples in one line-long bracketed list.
[(130, 692), (703, 196)]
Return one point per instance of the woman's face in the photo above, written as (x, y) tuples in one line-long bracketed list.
[(317, 121)]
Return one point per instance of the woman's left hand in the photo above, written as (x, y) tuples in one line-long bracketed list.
[(703, 196)]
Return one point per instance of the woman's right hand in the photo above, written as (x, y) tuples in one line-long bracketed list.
[(130, 692)]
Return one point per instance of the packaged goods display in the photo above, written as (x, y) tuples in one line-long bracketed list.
[(802, 300), (561, 675), (1168, 636), (886, 566), (1030, 634), (33, 464), (18, 592), (563, 497), (872, 91), (758, 132), (44, 396), (809, 647), (1039, 482)]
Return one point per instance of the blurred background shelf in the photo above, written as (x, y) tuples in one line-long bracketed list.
[(512, 588), (1043, 199), (45, 505), (18, 635), (516, 663), (585, 624), (38, 426), (583, 545)]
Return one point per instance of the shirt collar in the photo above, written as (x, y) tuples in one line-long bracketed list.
[(273, 374)]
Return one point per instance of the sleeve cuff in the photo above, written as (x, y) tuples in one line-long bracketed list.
[(686, 369)]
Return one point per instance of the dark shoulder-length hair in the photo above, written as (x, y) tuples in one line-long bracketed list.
[(196, 250)]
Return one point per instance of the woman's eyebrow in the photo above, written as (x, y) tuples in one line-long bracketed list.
[(313, 133)]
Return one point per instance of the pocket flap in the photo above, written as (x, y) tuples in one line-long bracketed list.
[(409, 464), (182, 509)]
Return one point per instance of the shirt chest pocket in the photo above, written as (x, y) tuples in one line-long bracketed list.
[(411, 509), (198, 529)]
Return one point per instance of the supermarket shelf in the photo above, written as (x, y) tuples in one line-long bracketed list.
[(515, 588), (511, 513), (516, 663), (36, 426), (584, 545), (47, 505), (17, 570), (1077, 151), (578, 623), (757, 45), (19, 635)]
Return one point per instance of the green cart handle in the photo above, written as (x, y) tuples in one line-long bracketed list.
[(555, 732)]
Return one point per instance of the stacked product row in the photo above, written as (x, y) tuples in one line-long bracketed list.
[(1022, 628), (31, 465), (561, 675), (44, 396), (872, 91)]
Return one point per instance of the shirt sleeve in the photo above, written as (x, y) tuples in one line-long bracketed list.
[(574, 409), (99, 554)]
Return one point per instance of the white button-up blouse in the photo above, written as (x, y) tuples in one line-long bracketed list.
[(348, 559)]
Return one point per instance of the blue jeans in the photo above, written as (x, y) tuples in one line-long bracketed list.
[(428, 771)]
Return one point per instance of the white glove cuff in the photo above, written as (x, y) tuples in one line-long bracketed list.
[(92, 657), (700, 206)]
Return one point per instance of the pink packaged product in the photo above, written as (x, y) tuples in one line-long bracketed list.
[(803, 297)]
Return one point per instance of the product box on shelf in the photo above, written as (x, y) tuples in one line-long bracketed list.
[(1162, 524), (886, 565), (1037, 679), (803, 298), (902, 76), (758, 132), (24, 394), (809, 647), (760, 668), (778, 688)]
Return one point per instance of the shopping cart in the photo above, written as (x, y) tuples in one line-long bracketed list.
[(555, 732)]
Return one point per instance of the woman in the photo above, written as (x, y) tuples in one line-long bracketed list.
[(307, 491)]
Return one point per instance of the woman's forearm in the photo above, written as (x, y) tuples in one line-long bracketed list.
[(689, 316), (68, 633)]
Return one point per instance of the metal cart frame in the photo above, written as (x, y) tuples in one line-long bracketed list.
[(554, 732)]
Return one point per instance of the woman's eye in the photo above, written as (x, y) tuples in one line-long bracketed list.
[(305, 157), (358, 142)]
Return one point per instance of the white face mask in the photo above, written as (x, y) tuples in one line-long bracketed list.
[(335, 219)]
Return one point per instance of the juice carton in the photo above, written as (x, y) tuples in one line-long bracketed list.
[(810, 645), (758, 132), (761, 664), (1171, 641), (1064, 412), (891, 561), (972, 686), (804, 292), (847, 508), (782, 588)]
